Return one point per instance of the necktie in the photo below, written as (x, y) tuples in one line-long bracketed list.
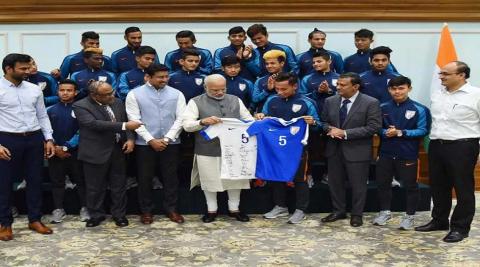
[(109, 111), (343, 111)]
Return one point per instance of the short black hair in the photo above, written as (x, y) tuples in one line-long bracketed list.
[(156, 68), (230, 60), (399, 80), (256, 29), (291, 77), (186, 34), (132, 29), (90, 35), (236, 30), (364, 33), (145, 49), (315, 30), (462, 67), (382, 50), (68, 81), (354, 77), (323, 54), (11, 60), (90, 52), (189, 52)]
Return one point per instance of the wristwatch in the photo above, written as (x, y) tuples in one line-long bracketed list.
[(64, 148)]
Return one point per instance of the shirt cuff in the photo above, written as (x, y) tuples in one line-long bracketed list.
[(124, 127), (345, 133)]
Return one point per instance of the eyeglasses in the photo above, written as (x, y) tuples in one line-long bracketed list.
[(447, 74)]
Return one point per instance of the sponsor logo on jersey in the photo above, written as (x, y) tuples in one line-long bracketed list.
[(296, 107), (409, 114)]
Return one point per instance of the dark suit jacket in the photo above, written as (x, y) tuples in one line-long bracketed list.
[(362, 122), (97, 131)]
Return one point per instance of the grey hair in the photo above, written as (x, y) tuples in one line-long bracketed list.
[(94, 85), (213, 78)]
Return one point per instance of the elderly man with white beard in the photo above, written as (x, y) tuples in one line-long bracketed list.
[(204, 110)]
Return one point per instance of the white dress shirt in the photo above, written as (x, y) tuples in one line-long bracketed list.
[(22, 109), (456, 115)]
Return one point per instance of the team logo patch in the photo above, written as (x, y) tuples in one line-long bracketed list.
[(388, 81), (73, 114), (409, 114), (334, 82), (198, 81), (294, 130), (42, 85), (242, 86), (296, 107), (102, 78)]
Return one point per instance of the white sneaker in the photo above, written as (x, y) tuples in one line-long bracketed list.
[(382, 218), (84, 215), (57, 216), (297, 217), (277, 211), (395, 183), (407, 222)]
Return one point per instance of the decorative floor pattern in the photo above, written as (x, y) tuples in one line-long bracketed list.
[(227, 242)]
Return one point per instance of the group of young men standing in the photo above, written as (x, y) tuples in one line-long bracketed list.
[(100, 118)]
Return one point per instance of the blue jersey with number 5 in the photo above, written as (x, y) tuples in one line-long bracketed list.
[(279, 147)]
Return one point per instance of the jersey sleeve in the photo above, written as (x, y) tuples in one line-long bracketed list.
[(211, 132)]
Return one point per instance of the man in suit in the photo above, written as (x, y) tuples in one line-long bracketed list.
[(350, 120), (105, 136)]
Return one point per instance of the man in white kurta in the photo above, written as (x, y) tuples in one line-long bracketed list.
[(204, 110)]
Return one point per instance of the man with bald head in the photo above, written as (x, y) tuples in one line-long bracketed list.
[(209, 109), (105, 137), (453, 151)]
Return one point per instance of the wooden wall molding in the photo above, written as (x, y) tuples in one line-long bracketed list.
[(54, 11)]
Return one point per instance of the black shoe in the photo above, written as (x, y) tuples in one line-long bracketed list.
[(93, 222), (121, 222), (356, 221), (334, 217), (239, 216), (454, 236), (431, 226), (209, 217)]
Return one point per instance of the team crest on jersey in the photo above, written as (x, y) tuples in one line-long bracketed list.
[(42, 85), (242, 86), (198, 81), (73, 114), (334, 82), (296, 107), (102, 78), (388, 81), (409, 114), (294, 130)]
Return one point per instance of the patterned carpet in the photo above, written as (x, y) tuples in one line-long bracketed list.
[(230, 243)]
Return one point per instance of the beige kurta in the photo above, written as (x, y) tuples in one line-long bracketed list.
[(206, 170)]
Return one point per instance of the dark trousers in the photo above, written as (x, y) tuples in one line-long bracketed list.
[(451, 165), (339, 170), (302, 192), (147, 161), (98, 176), (26, 158), (58, 168), (403, 170)]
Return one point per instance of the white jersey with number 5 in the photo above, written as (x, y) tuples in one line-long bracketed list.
[(239, 152)]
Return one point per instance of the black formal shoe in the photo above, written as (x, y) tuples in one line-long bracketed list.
[(334, 217), (454, 236), (93, 222), (431, 226), (209, 217), (239, 216), (356, 221), (121, 222)]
